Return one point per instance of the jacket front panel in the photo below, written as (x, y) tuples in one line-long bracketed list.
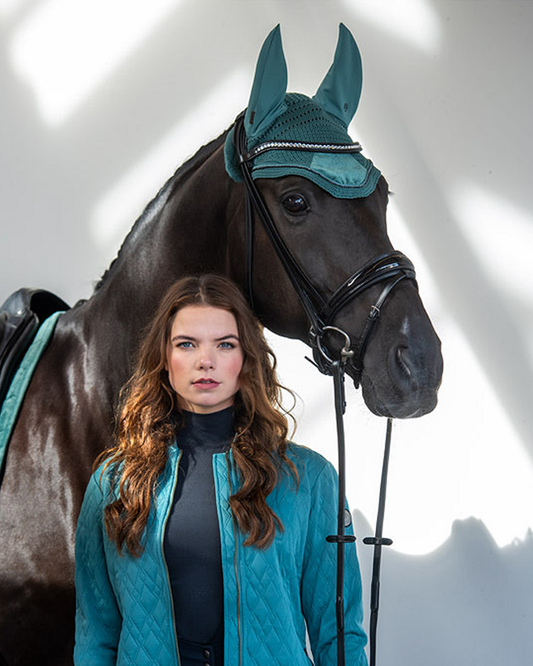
[(125, 609)]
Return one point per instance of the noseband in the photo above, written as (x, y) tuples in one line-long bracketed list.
[(388, 269)]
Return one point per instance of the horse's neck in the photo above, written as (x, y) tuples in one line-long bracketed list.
[(183, 231)]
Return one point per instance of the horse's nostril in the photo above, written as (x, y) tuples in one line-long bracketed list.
[(413, 368), (402, 362)]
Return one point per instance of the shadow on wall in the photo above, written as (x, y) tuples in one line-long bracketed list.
[(466, 603)]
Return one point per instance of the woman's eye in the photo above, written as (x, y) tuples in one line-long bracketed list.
[(184, 345), (227, 345), (295, 203)]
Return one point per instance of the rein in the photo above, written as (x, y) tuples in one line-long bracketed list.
[(390, 268)]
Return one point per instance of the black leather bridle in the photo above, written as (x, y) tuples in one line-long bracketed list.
[(388, 269)]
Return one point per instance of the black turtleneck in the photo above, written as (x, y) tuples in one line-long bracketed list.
[(192, 536)]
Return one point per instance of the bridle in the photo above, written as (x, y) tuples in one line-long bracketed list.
[(388, 269)]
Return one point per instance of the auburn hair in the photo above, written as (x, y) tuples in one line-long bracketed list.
[(148, 418)]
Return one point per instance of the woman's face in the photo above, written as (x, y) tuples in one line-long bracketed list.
[(204, 358)]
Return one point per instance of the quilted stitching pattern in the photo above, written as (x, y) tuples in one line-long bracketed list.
[(267, 592), (128, 610), (150, 636), (319, 577), (99, 608), (231, 598)]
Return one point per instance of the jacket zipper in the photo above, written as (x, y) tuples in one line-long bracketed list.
[(235, 564), (174, 484)]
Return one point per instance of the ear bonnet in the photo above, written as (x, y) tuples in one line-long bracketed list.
[(275, 115)]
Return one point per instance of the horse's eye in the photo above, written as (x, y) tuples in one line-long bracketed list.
[(295, 203)]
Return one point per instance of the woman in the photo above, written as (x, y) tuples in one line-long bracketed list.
[(202, 535)]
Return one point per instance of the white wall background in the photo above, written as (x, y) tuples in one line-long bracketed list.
[(102, 99)]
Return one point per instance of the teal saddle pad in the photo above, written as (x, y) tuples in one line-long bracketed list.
[(10, 408)]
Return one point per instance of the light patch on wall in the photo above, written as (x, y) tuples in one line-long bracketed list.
[(65, 49), (413, 21), (114, 214), (8, 8), (403, 240), (501, 236)]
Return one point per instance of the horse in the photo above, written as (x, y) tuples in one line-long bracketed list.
[(195, 224)]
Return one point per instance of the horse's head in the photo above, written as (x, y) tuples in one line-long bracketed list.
[(323, 212)]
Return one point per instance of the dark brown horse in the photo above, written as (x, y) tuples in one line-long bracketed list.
[(195, 224)]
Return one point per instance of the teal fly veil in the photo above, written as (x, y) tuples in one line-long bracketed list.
[(347, 176), (274, 115)]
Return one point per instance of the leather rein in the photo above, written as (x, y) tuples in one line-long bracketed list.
[(390, 269)]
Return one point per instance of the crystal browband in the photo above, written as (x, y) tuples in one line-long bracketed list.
[(301, 145)]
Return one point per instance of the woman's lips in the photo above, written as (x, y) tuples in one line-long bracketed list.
[(206, 383)]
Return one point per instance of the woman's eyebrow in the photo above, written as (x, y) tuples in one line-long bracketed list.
[(179, 336), (183, 337)]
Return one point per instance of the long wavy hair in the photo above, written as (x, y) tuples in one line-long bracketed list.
[(148, 417)]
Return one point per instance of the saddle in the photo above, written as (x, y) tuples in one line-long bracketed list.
[(20, 318)]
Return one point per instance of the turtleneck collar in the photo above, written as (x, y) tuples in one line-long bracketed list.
[(209, 431)]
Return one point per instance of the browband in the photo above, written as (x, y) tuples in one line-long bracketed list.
[(301, 145)]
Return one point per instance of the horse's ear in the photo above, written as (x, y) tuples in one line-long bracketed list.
[(340, 90), (269, 87)]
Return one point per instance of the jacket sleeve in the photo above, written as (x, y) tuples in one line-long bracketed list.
[(98, 618), (319, 579)]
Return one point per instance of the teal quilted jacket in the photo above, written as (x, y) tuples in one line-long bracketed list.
[(124, 610)]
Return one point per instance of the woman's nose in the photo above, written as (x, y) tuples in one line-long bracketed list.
[(205, 359)]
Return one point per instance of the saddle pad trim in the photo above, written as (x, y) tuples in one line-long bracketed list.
[(21, 379)]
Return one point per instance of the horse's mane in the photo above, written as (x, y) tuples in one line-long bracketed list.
[(161, 198)]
